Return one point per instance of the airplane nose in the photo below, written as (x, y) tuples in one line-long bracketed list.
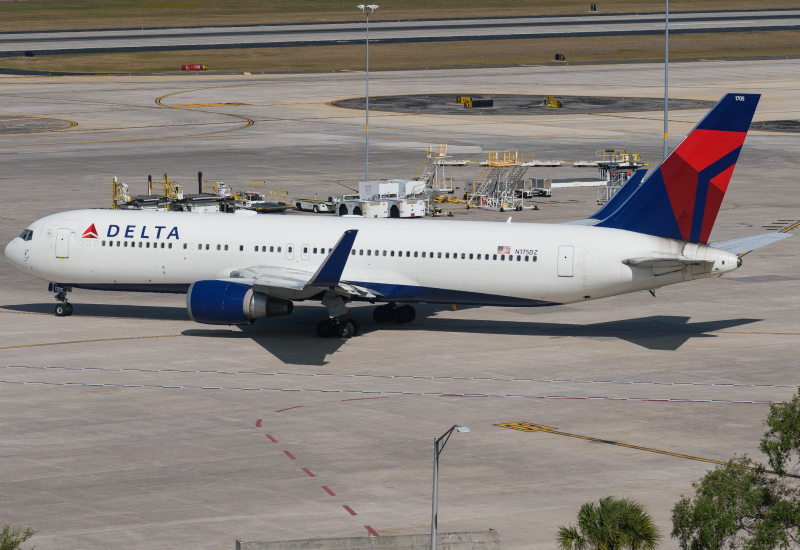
[(12, 251)]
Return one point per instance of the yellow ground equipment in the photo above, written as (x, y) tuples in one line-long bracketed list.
[(119, 193)]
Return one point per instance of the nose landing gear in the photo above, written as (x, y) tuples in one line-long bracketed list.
[(64, 309)]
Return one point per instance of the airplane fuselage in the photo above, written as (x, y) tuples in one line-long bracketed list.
[(435, 261)]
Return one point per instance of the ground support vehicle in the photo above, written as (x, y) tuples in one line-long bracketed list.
[(314, 205)]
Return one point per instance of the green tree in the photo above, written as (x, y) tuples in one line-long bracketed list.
[(613, 524), (742, 506), (12, 537)]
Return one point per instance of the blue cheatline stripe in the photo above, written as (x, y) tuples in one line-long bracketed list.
[(703, 181), (407, 293), (330, 272)]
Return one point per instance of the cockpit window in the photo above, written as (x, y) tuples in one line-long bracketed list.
[(27, 235)]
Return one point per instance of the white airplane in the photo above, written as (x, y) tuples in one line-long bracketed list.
[(236, 269)]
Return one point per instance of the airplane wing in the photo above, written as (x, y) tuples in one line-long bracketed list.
[(278, 280), (743, 245)]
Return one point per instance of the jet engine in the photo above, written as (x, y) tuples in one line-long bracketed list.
[(229, 303)]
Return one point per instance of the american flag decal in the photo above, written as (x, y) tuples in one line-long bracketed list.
[(504, 250)]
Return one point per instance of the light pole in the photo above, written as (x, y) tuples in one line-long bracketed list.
[(666, 75), (436, 451), (371, 8)]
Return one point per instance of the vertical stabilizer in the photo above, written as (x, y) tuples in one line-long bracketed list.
[(681, 198)]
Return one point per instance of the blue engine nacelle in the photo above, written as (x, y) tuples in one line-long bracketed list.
[(229, 303)]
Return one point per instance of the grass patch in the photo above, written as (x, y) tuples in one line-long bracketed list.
[(28, 15), (473, 53)]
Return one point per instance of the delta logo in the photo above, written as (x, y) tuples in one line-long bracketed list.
[(90, 233)]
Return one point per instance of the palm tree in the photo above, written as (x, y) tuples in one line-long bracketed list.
[(614, 524)]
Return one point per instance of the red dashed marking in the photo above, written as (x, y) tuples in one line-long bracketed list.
[(271, 438), (329, 491), (306, 470), (290, 455), (258, 423), (372, 531), (364, 398), (346, 507), (289, 408)]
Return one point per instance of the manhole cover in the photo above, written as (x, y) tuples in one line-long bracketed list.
[(28, 125), (511, 104)]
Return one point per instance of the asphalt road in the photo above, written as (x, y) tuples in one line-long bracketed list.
[(99, 41)]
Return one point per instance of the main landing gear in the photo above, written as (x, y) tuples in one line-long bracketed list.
[(64, 309), (390, 312), (336, 327)]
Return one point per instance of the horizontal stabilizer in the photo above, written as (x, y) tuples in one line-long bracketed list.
[(661, 262), (746, 244)]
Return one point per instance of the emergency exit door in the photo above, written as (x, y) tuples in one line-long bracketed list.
[(62, 243), (565, 256)]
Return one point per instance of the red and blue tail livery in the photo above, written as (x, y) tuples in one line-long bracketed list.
[(681, 198)]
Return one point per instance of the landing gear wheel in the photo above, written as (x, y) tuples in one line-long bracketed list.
[(325, 329), (412, 311), (62, 310), (401, 315), (382, 314), (69, 309), (346, 330), (315, 209), (356, 326)]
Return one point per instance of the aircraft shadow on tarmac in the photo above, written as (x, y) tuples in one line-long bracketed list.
[(160, 313), (294, 342), (296, 346)]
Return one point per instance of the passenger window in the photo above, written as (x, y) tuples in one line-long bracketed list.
[(272, 249), (470, 256), (162, 245), (369, 252), (446, 254), (360, 252), (494, 257), (502, 257), (519, 258), (148, 245), (423, 254), (392, 254), (256, 249), (415, 254), (140, 244), (184, 246), (170, 246), (288, 249), (207, 247), (352, 252), (279, 249), (315, 251), (104, 243), (117, 244), (462, 255), (534, 258), (305, 250), (526, 258), (409, 254), (384, 253), (440, 255), (219, 247), (241, 248)]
